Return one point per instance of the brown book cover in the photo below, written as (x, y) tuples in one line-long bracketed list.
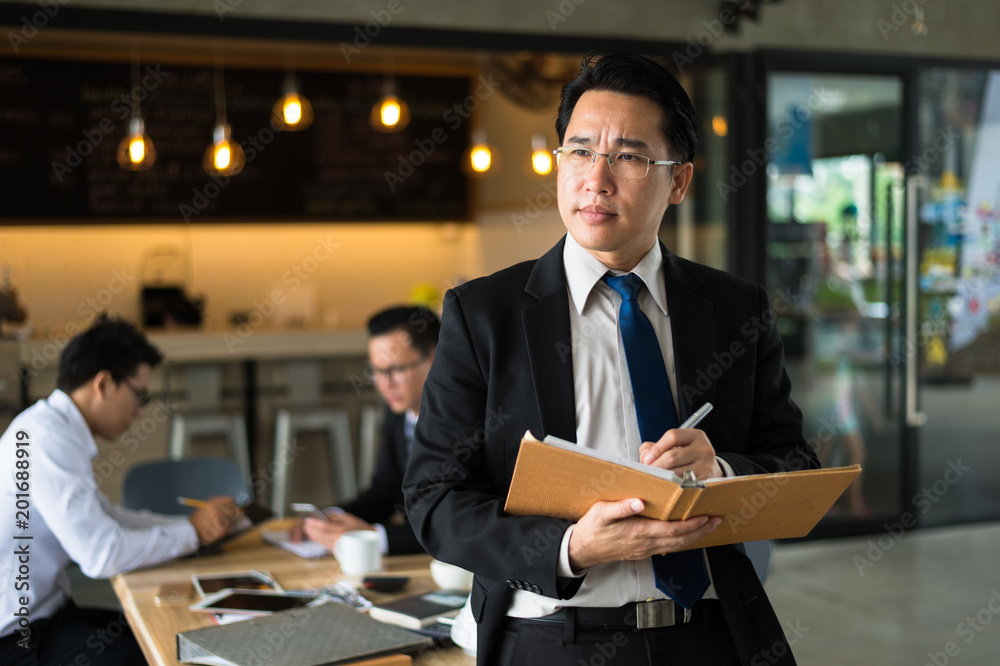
[(560, 479)]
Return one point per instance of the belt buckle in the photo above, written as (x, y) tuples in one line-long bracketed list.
[(658, 613)]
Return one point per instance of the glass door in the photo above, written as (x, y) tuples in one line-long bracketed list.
[(954, 337), (834, 257)]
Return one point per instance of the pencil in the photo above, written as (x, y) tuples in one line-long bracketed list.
[(187, 501)]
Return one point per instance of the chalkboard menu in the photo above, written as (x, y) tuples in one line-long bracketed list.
[(61, 122)]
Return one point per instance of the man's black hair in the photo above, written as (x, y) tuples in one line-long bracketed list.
[(631, 74), (421, 324), (111, 344)]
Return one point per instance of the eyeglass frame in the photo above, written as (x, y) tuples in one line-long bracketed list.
[(649, 161), (393, 371), (141, 395)]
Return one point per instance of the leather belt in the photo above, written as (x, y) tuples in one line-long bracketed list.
[(634, 615)]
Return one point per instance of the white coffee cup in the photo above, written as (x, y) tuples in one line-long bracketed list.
[(358, 552), (449, 577)]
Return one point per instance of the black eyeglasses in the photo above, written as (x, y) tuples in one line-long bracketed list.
[(141, 395), (394, 372)]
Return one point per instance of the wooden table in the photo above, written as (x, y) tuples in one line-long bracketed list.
[(156, 623)]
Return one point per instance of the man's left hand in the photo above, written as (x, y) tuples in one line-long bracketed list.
[(680, 450)]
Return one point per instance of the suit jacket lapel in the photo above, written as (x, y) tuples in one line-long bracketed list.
[(692, 326), (547, 334)]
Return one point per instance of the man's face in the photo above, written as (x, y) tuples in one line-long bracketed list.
[(399, 370), (617, 219), (121, 403)]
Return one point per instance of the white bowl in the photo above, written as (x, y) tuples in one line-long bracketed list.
[(449, 577)]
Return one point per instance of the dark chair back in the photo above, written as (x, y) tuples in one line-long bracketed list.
[(157, 485)]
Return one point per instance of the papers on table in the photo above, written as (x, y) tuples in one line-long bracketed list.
[(307, 549)]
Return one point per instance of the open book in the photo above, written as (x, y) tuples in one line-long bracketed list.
[(558, 478)]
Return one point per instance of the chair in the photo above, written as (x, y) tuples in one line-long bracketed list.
[(156, 485)]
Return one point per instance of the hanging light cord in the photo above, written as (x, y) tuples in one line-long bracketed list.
[(135, 83), (220, 96)]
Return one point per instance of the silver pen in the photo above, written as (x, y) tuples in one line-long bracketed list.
[(696, 418), (689, 480)]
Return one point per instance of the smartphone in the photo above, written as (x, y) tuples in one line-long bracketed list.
[(304, 509), (205, 584)]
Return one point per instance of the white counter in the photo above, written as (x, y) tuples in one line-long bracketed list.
[(214, 347)]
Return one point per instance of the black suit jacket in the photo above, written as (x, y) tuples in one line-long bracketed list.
[(383, 501), (503, 365)]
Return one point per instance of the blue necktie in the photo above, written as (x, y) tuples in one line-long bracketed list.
[(681, 576)]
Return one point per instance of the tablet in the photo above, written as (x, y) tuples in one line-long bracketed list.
[(256, 602), (205, 584)]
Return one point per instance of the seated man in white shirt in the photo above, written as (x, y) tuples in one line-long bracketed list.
[(62, 515)]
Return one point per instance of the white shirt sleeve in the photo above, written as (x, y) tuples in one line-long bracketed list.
[(383, 538), (104, 540), (564, 569), (727, 469)]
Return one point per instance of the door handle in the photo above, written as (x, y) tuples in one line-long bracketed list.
[(914, 417)]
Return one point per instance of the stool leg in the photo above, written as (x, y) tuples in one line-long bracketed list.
[(178, 437), (342, 456), (369, 445), (238, 445), (282, 458)]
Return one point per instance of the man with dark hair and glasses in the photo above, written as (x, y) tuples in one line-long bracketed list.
[(47, 453), (401, 346), (610, 341)]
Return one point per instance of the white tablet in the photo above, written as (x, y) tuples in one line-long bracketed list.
[(256, 602), (210, 583)]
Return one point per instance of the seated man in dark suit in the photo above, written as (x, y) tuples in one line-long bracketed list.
[(612, 342), (401, 348)]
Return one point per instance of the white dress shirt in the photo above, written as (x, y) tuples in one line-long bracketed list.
[(605, 413), (69, 518)]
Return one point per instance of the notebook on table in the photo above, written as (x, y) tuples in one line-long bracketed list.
[(329, 634), (420, 610)]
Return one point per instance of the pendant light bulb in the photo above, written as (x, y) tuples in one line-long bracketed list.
[(541, 157), (292, 112), (136, 151), (224, 157), (389, 113), (481, 159)]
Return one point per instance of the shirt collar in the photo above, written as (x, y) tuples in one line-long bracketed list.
[(584, 270), (64, 406)]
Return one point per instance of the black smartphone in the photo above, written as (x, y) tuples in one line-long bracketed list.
[(385, 583)]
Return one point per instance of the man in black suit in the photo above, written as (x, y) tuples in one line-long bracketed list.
[(539, 346), (401, 347)]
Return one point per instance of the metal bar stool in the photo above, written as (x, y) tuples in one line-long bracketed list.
[(205, 417), (304, 414)]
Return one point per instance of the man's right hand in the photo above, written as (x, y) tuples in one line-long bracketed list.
[(214, 519), (613, 532), (326, 532)]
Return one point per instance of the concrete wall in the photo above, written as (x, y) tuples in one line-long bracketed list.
[(961, 28)]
